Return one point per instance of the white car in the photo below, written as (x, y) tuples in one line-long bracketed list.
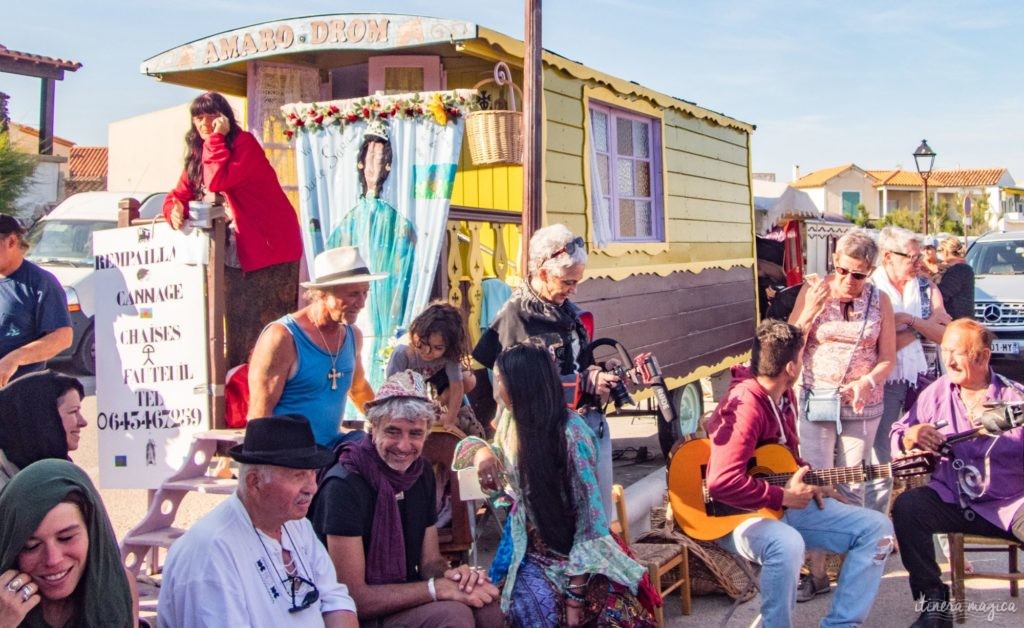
[(998, 263), (61, 242)]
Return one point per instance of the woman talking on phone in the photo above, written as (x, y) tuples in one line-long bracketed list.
[(264, 244)]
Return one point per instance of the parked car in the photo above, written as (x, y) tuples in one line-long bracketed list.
[(61, 242), (998, 263)]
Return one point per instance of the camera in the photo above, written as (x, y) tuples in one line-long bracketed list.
[(619, 393)]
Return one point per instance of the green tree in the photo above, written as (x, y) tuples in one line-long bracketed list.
[(862, 219), (904, 217), (16, 170)]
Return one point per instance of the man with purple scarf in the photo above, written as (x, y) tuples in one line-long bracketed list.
[(375, 512), (979, 488)]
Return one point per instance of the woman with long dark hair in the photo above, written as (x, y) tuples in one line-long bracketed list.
[(264, 243), (560, 564)]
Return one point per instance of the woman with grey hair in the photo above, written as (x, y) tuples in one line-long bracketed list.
[(540, 311), (850, 348), (919, 315)]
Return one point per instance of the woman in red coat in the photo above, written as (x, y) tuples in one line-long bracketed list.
[(262, 265)]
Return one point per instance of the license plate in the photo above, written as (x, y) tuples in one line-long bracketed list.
[(1005, 346)]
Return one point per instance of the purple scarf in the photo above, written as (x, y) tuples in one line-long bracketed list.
[(385, 563)]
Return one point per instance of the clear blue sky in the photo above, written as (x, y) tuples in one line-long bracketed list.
[(826, 83)]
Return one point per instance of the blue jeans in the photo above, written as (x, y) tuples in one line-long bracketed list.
[(877, 492), (598, 424), (864, 535)]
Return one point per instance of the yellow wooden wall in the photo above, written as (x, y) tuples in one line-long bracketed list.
[(706, 184)]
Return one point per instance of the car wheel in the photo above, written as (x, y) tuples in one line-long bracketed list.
[(84, 359)]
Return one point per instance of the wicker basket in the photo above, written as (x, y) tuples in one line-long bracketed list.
[(496, 135)]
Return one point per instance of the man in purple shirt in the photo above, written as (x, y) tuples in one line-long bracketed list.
[(977, 490)]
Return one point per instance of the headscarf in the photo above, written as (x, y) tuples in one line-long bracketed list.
[(103, 597), (385, 562), (30, 425)]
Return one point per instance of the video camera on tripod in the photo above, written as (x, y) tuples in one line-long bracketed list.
[(999, 417), (644, 372)]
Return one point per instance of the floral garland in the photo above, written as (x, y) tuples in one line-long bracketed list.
[(440, 107)]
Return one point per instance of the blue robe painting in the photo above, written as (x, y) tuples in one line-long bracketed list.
[(386, 238)]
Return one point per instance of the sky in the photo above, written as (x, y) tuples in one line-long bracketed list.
[(825, 83)]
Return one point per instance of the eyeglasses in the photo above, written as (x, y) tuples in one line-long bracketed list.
[(913, 258), (570, 247), (296, 583), (856, 275)]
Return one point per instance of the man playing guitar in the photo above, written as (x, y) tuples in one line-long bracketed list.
[(760, 409)]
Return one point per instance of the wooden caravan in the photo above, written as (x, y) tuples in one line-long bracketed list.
[(659, 187)]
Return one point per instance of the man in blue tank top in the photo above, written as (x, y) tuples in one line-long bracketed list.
[(307, 362)]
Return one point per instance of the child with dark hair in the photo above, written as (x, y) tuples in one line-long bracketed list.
[(559, 563), (437, 348)]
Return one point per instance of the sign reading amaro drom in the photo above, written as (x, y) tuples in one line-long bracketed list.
[(310, 34), (152, 378)]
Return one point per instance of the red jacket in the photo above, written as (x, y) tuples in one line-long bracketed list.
[(742, 422), (265, 221)]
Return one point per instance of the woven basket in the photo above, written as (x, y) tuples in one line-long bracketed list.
[(495, 136), (713, 569)]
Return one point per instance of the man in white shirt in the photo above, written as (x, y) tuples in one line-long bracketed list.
[(254, 560)]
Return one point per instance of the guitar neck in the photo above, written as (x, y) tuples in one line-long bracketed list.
[(836, 475)]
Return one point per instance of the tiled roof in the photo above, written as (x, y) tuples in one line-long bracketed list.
[(819, 178), (34, 132), (971, 177), (963, 178), (88, 162), (14, 55)]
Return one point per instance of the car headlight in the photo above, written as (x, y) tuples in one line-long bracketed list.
[(72, 297)]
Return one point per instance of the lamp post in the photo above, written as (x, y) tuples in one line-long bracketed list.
[(924, 159)]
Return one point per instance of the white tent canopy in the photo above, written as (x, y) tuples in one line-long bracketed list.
[(778, 200)]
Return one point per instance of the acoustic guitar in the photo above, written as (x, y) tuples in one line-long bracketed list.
[(705, 519)]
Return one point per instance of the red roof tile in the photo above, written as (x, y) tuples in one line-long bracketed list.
[(88, 162), (53, 62)]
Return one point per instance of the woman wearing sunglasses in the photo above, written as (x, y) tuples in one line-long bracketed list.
[(850, 349), (921, 320), (540, 310)]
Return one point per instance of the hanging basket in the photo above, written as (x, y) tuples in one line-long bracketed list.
[(496, 135)]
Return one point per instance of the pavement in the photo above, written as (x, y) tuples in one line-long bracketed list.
[(638, 464)]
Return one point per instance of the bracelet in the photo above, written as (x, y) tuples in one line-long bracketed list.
[(432, 589)]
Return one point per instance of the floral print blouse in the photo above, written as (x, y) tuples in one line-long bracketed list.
[(594, 550)]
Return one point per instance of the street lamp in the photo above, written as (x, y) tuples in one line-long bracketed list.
[(924, 159)]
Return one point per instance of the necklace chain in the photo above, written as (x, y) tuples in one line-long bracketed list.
[(972, 408), (333, 375)]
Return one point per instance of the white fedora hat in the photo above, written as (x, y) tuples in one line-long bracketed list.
[(342, 265)]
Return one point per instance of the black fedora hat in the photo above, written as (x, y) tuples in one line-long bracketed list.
[(282, 441)]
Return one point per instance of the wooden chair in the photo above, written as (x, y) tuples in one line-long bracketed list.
[(659, 558), (960, 544), (455, 538)]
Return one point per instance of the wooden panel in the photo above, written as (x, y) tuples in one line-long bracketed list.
[(575, 221), (707, 209), (686, 319), (697, 143), (562, 168), (681, 230), (689, 163), (564, 109), (566, 197), (561, 84), (725, 134), (699, 187), (564, 138)]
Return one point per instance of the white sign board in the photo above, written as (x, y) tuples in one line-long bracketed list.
[(152, 377)]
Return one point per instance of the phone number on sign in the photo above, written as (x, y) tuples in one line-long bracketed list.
[(154, 419)]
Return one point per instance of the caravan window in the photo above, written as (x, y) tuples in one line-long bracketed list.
[(625, 166)]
